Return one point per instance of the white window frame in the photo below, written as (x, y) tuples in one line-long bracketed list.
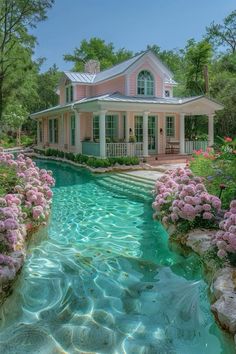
[(138, 128), (53, 140), (168, 128), (145, 84), (69, 93)]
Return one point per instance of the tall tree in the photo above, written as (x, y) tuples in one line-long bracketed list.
[(97, 48), (224, 34), (197, 56), (16, 17)]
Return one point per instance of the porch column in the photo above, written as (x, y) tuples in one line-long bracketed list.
[(78, 146), (102, 133), (210, 129), (145, 134), (38, 133), (182, 134), (127, 127), (62, 131)]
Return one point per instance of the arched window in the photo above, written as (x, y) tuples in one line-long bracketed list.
[(145, 83)]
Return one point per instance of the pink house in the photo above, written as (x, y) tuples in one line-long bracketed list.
[(128, 109)]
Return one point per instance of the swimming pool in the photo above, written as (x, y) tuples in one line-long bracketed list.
[(105, 281)]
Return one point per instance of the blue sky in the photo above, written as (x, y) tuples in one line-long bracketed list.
[(130, 24)]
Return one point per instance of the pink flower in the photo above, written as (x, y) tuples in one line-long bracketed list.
[(207, 216)]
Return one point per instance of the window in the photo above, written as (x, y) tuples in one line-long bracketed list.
[(96, 128), (111, 127), (145, 84), (69, 93), (170, 126), (167, 93), (138, 128), (53, 131), (40, 132), (72, 130)]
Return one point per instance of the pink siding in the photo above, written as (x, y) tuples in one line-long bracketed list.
[(79, 92), (86, 126), (117, 84), (62, 95), (158, 91)]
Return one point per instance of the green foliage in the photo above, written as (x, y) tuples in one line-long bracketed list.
[(8, 179), (97, 49), (16, 44), (224, 34), (90, 161), (219, 172)]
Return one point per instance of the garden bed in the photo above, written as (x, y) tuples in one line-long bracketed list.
[(93, 164), (25, 199)]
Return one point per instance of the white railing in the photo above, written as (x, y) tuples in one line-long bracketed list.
[(124, 149), (190, 146)]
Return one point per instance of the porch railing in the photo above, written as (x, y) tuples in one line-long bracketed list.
[(124, 149), (190, 146)]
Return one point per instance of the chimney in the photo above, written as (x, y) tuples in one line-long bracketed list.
[(92, 66)]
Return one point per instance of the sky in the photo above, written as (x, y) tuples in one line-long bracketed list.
[(129, 24)]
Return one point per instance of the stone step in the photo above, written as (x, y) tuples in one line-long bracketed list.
[(135, 180)]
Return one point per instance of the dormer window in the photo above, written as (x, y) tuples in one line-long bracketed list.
[(69, 93), (145, 83)]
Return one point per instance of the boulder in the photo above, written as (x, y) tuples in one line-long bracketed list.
[(224, 310), (200, 240)]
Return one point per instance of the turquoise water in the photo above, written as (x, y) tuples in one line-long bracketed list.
[(105, 281)]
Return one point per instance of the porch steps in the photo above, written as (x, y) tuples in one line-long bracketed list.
[(133, 187)]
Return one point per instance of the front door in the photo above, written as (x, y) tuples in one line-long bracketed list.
[(152, 143)]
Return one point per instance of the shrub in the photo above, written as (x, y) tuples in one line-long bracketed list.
[(225, 239), (181, 197)]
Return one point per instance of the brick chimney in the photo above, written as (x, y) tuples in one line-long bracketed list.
[(92, 66)]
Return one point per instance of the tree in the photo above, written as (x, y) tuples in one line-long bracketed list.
[(14, 116), (16, 17), (224, 34), (98, 49), (47, 85), (197, 57)]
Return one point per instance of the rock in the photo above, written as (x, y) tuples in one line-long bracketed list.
[(223, 283), (225, 311), (200, 240)]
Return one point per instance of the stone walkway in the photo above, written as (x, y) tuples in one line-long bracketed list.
[(155, 172)]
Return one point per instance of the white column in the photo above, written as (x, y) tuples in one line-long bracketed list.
[(102, 134), (38, 139), (127, 127), (78, 145), (62, 131), (210, 129), (145, 134), (182, 133)]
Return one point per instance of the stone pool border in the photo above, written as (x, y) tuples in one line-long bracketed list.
[(222, 282)]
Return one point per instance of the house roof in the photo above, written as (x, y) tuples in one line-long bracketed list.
[(116, 70), (117, 97)]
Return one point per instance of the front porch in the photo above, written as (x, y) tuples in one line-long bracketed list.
[(136, 149)]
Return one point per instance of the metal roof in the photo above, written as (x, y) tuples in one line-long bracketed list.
[(76, 77), (80, 77), (117, 97)]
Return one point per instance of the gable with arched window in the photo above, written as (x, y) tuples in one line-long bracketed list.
[(145, 83)]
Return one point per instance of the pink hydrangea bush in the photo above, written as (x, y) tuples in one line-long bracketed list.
[(27, 207), (225, 238), (182, 197)]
